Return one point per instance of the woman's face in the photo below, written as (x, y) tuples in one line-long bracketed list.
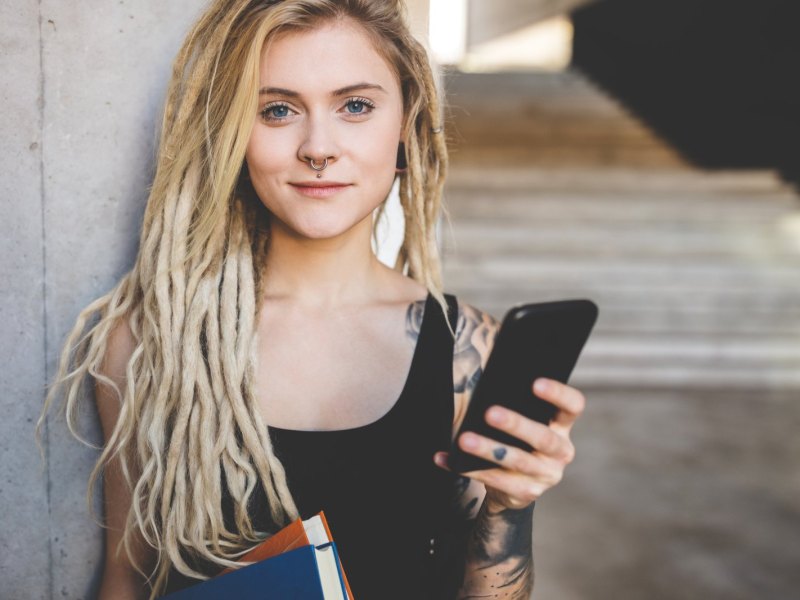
[(325, 93)]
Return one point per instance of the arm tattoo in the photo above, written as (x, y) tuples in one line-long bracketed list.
[(475, 333), (466, 503), (499, 560), (499, 547)]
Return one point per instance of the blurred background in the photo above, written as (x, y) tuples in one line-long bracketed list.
[(641, 153)]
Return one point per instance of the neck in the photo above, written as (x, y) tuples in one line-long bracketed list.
[(337, 271)]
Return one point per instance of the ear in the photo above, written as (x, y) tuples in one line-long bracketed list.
[(401, 165)]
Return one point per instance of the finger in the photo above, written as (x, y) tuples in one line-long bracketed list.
[(522, 488), (509, 457), (440, 458), (569, 401), (541, 437)]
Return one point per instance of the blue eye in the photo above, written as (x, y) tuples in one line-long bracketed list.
[(275, 112), (280, 108), (356, 106), (359, 106)]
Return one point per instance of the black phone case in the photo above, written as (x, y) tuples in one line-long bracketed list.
[(535, 340)]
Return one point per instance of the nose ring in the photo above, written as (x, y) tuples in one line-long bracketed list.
[(314, 166)]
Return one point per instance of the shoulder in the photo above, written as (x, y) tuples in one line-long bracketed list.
[(111, 375), (119, 348)]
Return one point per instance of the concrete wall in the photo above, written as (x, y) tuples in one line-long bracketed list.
[(24, 530), (81, 89), (81, 85), (488, 20)]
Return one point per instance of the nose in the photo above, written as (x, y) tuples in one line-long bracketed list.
[(319, 144)]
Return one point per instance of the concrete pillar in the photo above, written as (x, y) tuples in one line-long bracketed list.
[(106, 67), (82, 86), (24, 533)]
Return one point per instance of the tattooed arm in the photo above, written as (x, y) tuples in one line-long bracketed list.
[(475, 333), (499, 547), (499, 543)]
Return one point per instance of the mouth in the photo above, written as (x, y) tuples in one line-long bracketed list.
[(319, 189)]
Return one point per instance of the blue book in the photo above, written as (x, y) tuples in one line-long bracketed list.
[(305, 573)]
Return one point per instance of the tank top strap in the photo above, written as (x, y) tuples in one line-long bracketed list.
[(429, 389)]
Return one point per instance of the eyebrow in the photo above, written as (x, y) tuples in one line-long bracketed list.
[(340, 92)]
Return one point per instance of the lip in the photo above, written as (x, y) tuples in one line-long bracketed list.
[(319, 189)]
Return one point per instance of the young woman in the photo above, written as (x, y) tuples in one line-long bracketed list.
[(259, 363)]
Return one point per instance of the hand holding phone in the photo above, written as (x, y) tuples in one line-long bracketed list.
[(535, 340)]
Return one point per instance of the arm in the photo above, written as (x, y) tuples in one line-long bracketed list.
[(499, 548), (120, 580)]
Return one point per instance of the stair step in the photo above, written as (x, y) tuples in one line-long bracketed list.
[(485, 101), (654, 309), (725, 183), (619, 320), (674, 377), (660, 274), (672, 210), (686, 360), (580, 152), (642, 349), (666, 305), (559, 193), (545, 119), (473, 239)]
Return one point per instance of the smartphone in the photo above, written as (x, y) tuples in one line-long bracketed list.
[(535, 340)]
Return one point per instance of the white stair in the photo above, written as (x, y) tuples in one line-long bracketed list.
[(697, 274)]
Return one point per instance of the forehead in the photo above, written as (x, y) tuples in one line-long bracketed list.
[(327, 57)]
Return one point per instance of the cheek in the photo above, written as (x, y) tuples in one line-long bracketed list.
[(266, 155), (378, 149)]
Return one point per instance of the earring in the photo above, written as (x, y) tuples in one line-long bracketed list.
[(402, 165)]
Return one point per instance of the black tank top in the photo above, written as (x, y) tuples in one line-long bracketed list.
[(388, 505)]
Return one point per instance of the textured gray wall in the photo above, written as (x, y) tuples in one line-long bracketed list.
[(82, 84), (24, 546)]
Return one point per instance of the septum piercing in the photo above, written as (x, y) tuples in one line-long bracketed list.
[(313, 165)]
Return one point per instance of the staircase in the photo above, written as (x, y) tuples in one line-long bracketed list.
[(556, 192)]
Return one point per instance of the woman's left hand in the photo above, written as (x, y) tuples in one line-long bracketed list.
[(522, 477)]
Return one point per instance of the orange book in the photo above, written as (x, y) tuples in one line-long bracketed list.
[(299, 533)]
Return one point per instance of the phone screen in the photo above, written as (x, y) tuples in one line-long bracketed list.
[(535, 340)]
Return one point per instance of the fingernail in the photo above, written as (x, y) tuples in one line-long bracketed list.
[(541, 386), (469, 441), (496, 415)]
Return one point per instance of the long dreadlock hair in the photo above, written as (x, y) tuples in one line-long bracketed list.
[(188, 423)]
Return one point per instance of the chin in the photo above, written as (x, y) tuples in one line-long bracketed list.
[(322, 225), (321, 230), (320, 233)]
